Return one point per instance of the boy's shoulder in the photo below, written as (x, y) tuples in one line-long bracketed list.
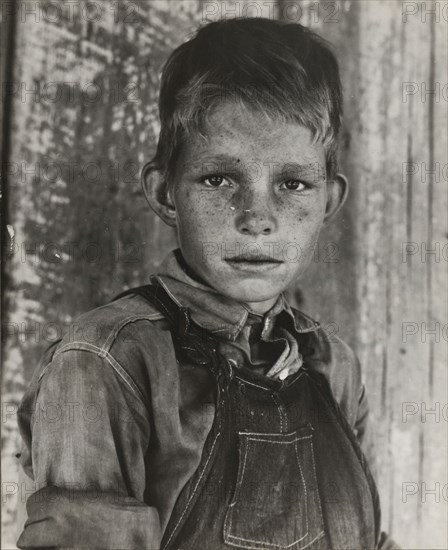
[(99, 329), (124, 334), (329, 354), (327, 345)]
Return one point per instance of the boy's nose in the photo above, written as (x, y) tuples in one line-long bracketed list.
[(252, 222)]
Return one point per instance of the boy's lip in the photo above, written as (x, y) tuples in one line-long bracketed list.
[(254, 258), (251, 266), (254, 263)]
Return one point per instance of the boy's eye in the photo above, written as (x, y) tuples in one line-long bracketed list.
[(215, 180), (295, 185)]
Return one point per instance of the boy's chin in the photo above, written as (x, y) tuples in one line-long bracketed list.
[(251, 291), (252, 287)]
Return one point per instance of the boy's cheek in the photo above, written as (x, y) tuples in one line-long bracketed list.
[(304, 225), (193, 211)]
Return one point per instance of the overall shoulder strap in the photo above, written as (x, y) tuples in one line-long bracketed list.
[(158, 297), (194, 341)]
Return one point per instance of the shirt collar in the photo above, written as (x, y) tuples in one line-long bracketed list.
[(221, 315)]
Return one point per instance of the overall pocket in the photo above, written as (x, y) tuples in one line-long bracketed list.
[(276, 503)]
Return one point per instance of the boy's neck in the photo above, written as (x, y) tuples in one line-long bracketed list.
[(260, 308), (187, 269)]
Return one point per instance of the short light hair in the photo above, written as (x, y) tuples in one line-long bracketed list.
[(282, 69)]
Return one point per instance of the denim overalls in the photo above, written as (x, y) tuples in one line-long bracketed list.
[(280, 469)]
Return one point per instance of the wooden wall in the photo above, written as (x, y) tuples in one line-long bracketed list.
[(83, 120)]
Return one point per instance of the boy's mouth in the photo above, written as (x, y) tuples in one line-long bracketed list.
[(254, 258), (253, 263)]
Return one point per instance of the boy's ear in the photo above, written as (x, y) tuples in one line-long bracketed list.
[(157, 194), (337, 192)]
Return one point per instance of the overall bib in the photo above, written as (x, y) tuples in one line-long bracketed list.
[(280, 469)]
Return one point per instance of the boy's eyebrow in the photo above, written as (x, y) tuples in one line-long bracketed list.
[(213, 162), (316, 169), (224, 161)]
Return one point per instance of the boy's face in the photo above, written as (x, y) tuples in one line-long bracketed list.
[(250, 200)]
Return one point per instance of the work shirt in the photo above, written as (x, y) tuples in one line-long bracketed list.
[(114, 427)]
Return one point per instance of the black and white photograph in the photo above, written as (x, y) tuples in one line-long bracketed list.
[(224, 274)]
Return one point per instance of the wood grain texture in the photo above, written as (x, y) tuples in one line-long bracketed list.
[(83, 231)]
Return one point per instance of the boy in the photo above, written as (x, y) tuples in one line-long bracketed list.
[(208, 413)]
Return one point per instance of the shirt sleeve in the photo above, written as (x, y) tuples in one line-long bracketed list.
[(362, 426), (87, 437)]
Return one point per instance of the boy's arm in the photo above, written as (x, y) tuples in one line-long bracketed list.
[(88, 437)]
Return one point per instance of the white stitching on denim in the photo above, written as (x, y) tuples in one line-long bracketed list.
[(170, 294), (282, 442), (260, 544), (194, 490), (44, 369), (317, 537), (242, 322), (291, 434), (299, 375), (277, 546), (315, 475), (253, 384), (122, 372), (128, 320), (86, 346), (280, 412), (67, 347), (228, 523), (304, 486), (219, 329)]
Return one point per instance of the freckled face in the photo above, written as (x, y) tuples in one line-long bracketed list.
[(250, 201)]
